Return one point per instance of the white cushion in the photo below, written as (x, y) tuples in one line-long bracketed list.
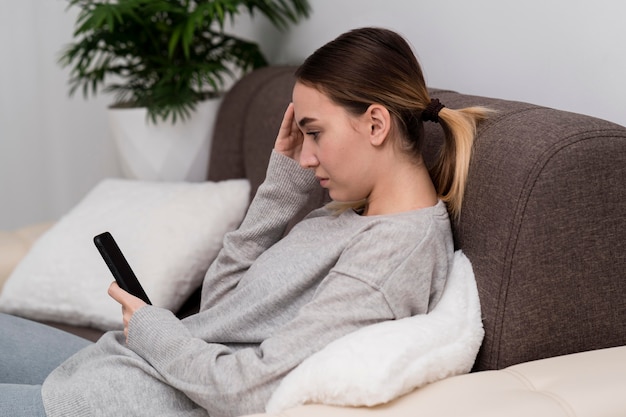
[(169, 232), (381, 362)]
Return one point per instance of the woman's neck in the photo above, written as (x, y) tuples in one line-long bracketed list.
[(403, 186)]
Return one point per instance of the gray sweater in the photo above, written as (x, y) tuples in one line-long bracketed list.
[(267, 304)]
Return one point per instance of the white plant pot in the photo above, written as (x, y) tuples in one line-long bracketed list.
[(164, 151)]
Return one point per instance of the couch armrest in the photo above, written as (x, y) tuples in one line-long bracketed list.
[(15, 244), (583, 384)]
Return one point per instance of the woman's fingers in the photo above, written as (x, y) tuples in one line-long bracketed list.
[(289, 139), (129, 303), (287, 123)]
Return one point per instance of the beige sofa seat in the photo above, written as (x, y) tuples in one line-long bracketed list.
[(15, 244), (587, 384)]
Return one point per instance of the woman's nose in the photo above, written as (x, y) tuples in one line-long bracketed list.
[(307, 155)]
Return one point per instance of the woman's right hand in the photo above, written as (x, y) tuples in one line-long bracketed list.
[(290, 138)]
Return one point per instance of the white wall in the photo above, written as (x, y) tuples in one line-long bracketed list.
[(52, 148), (567, 54)]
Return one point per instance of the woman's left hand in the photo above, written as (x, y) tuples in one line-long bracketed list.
[(129, 303)]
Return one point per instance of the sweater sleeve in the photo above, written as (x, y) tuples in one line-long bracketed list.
[(281, 196), (217, 377)]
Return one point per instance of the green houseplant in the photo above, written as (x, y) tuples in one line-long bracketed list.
[(166, 62), (165, 55)]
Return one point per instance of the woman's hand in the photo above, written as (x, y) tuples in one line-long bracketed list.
[(289, 139), (129, 303)]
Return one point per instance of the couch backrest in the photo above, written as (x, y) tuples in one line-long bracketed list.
[(543, 219)]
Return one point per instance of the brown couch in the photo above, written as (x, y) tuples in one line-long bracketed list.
[(543, 221)]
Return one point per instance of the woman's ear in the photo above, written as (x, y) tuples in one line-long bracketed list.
[(379, 120)]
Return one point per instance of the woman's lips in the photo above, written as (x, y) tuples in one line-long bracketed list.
[(323, 181)]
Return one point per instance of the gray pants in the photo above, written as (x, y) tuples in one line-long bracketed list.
[(29, 351)]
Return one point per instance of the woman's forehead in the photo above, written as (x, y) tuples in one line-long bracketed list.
[(310, 103)]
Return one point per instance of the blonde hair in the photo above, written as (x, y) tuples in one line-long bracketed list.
[(451, 169), (375, 65)]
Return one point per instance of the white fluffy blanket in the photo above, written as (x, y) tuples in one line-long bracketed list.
[(381, 362)]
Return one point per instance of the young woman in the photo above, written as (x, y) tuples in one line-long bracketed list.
[(381, 251)]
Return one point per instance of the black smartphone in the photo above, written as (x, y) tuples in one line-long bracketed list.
[(121, 270)]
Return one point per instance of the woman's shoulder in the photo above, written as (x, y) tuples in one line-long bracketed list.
[(402, 229), (411, 220)]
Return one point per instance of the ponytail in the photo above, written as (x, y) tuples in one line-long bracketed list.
[(451, 169)]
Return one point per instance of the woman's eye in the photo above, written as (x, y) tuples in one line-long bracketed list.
[(314, 135)]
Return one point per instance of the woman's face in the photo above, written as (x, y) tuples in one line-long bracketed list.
[(336, 145)]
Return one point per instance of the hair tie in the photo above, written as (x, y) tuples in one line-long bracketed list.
[(431, 112)]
